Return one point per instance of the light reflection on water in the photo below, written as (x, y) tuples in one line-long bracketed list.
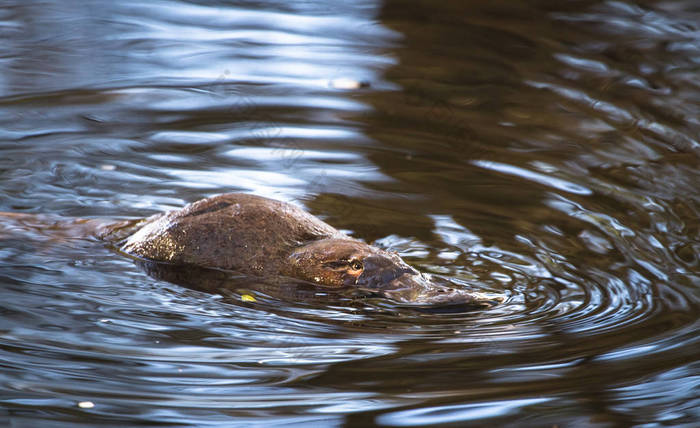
[(544, 152)]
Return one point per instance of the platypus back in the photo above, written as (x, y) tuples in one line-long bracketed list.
[(234, 231)]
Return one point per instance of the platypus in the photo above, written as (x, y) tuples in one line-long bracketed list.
[(263, 237)]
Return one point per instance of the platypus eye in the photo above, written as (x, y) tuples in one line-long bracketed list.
[(356, 265), (345, 265)]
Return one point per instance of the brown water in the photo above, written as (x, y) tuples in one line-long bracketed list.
[(548, 152)]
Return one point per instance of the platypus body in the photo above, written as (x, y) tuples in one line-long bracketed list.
[(258, 236)]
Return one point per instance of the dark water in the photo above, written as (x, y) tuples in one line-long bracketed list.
[(547, 151)]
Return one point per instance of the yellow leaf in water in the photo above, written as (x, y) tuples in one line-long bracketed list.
[(247, 298)]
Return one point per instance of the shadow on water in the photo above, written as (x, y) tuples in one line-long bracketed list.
[(235, 287), (544, 150)]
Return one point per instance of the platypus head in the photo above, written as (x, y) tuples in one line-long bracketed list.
[(344, 262)]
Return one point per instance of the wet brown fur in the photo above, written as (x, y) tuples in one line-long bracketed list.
[(258, 236)]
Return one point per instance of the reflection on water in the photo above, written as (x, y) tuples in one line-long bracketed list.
[(548, 152)]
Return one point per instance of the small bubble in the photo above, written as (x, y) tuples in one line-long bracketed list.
[(345, 83), (86, 404)]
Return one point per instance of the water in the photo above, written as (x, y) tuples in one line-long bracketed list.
[(548, 152)]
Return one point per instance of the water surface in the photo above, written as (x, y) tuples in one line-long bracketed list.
[(547, 152)]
